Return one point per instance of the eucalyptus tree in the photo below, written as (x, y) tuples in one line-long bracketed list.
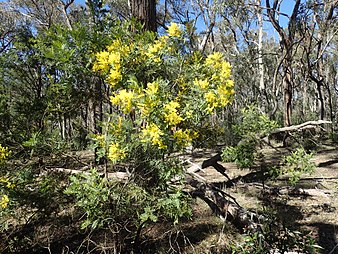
[(145, 12), (319, 28), (43, 14), (288, 42)]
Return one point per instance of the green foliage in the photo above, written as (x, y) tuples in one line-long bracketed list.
[(253, 126), (111, 202), (283, 240), (254, 123), (243, 154), (333, 136), (274, 236), (175, 206), (44, 144), (92, 193), (296, 164)]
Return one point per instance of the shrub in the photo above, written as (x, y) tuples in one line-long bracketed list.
[(296, 164), (253, 127)]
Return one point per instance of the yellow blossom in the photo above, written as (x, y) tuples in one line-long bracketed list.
[(114, 77), (189, 114), (4, 153), (225, 72), (171, 115), (116, 127), (155, 49), (174, 30), (102, 61), (115, 153), (146, 107), (204, 84), (152, 88), (183, 138), (124, 99), (4, 201), (214, 60), (172, 118), (101, 139), (118, 46), (115, 45), (230, 85), (114, 59), (211, 98), (7, 183), (152, 134)]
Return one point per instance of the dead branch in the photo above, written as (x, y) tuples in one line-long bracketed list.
[(213, 161), (299, 127), (223, 207), (119, 176)]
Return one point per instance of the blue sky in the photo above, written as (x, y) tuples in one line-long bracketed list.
[(286, 7)]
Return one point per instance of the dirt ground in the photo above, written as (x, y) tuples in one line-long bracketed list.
[(311, 205)]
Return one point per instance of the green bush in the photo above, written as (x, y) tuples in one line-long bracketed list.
[(243, 154), (253, 127), (296, 164), (274, 236), (110, 202)]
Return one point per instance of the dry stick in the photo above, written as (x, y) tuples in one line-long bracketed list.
[(230, 210), (213, 161), (300, 126), (332, 251)]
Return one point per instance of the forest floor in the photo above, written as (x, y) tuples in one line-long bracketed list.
[(312, 206)]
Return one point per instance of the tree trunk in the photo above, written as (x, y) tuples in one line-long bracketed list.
[(320, 99), (287, 43), (145, 12), (287, 86), (260, 47)]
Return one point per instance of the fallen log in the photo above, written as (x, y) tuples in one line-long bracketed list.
[(213, 162), (119, 176), (220, 204), (306, 125), (289, 191)]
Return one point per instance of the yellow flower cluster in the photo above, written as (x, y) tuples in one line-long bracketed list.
[(174, 30), (100, 139), (116, 127), (212, 101), (118, 46), (123, 99), (161, 107), (155, 49), (214, 60), (115, 153), (7, 183), (152, 134), (202, 83), (110, 61), (220, 67), (4, 153), (4, 201), (184, 138), (224, 91), (152, 88), (171, 115), (102, 61), (224, 86)]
